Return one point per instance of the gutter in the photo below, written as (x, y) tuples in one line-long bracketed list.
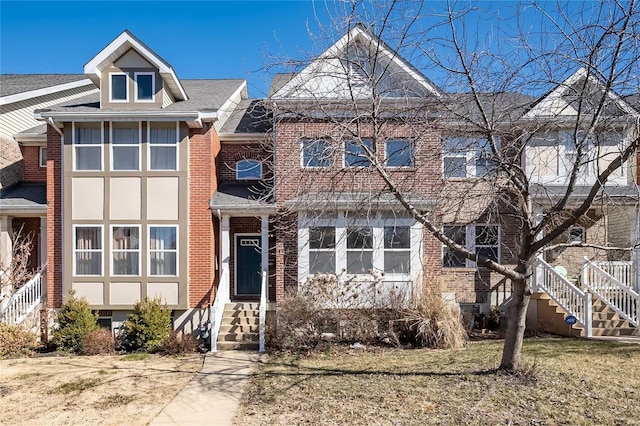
[(190, 116)]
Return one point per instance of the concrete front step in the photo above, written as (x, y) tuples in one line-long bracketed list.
[(240, 320), (617, 331), (242, 346), (239, 329), (610, 323), (238, 313), (242, 306), (235, 328), (238, 337)]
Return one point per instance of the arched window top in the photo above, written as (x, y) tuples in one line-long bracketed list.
[(248, 170)]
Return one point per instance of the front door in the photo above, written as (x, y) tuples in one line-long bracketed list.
[(248, 268)]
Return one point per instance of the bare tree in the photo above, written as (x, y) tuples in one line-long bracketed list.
[(540, 78), (16, 269)]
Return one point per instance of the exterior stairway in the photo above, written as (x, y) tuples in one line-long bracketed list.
[(239, 328), (607, 322)]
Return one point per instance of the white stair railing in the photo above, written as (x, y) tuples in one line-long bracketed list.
[(15, 309), (615, 294), (569, 297), (217, 309), (622, 270), (263, 309)]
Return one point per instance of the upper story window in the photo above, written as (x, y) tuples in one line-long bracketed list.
[(42, 157), (125, 250), (248, 170), (163, 146), (466, 157), (145, 86), (87, 249), (317, 153), (400, 153), (355, 154), (163, 250), (118, 87), (87, 146), (576, 234), (125, 146)]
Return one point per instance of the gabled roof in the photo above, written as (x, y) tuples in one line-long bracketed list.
[(558, 102), (118, 47), (18, 87), (328, 76)]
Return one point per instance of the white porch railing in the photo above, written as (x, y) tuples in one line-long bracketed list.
[(622, 270), (15, 309), (569, 297), (217, 309), (618, 296), (263, 309)]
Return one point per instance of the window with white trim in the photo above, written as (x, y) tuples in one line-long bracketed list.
[(359, 249), (87, 146), (467, 157), (125, 250), (163, 146), (400, 153), (397, 249), (316, 153), (248, 170), (576, 234), (125, 146), (322, 249), (87, 250), (163, 250), (118, 89), (483, 240), (355, 154), (42, 156), (144, 86)]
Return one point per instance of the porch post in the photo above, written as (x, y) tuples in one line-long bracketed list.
[(225, 253), (6, 246), (42, 256), (265, 246)]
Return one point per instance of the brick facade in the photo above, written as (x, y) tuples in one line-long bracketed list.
[(231, 153), (54, 218), (32, 172)]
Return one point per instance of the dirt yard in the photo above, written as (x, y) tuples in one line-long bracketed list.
[(94, 390)]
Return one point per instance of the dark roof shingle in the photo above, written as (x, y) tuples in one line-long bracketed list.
[(12, 84)]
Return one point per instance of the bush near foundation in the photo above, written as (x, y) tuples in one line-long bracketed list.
[(177, 343), (16, 341), (147, 326), (98, 342), (75, 321)]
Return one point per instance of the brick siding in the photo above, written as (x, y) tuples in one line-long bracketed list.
[(54, 218), (32, 172)]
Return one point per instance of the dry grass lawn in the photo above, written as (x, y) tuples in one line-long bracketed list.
[(569, 382), (92, 390)]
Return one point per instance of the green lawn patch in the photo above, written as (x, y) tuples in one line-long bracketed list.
[(563, 381), (136, 356)]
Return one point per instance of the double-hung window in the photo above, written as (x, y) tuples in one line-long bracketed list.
[(125, 250), (118, 87), (467, 157), (145, 86), (125, 146), (397, 249), (163, 146), (359, 250), (42, 157), (87, 250), (355, 154), (163, 250), (400, 153), (322, 249), (317, 153), (87, 146), (248, 170), (483, 240)]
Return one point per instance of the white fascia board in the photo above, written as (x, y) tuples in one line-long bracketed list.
[(22, 210), (5, 100), (30, 138), (235, 97), (241, 137), (120, 115)]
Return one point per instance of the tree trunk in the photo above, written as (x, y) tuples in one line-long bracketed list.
[(517, 315)]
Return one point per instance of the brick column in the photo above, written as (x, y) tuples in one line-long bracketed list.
[(54, 218)]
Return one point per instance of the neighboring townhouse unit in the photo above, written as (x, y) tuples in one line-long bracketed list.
[(190, 191)]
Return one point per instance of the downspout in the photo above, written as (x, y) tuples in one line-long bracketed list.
[(275, 145)]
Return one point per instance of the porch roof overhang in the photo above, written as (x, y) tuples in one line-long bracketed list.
[(24, 198), (622, 193), (357, 201), (241, 199)]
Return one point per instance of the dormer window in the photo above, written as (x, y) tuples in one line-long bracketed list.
[(119, 92), (145, 86)]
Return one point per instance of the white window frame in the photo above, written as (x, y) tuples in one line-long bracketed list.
[(112, 146), (582, 229), (126, 79), (112, 250), (75, 249), (359, 144), (341, 224), (153, 86), (470, 244), (176, 250), (396, 250), (363, 249), (413, 153), (470, 155), (40, 156), (311, 167), (257, 163), (75, 145), (151, 144)]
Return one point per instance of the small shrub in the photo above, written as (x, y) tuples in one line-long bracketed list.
[(75, 321), (147, 325), (177, 343), (16, 341), (298, 325), (98, 342)]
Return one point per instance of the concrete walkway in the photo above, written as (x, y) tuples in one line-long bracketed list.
[(212, 397)]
